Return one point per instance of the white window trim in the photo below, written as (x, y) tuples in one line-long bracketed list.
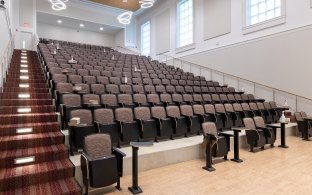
[(142, 37), (191, 45), (265, 24)]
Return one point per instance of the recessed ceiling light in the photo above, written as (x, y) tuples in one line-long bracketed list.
[(59, 21), (101, 28), (81, 25)]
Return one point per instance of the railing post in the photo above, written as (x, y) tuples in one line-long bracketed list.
[(296, 103), (273, 94)]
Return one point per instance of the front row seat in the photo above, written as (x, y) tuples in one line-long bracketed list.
[(216, 144), (255, 137), (268, 131), (101, 164)]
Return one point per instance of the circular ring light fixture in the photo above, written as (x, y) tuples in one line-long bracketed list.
[(146, 3), (125, 18), (58, 5)]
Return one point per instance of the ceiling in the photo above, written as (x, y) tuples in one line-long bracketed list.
[(130, 5), (74, 23)]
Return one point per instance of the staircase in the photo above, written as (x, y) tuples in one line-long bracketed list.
[(33, 157)]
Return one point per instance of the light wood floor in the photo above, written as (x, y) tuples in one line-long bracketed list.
[(272, 171)]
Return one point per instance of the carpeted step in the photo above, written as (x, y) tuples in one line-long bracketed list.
[(31, 85), (67, 186), (31, 140), (6, 119), (24, 176), (10, 129), (41, 154), (22, 109), (25, 90), (18, 80), (30, 76), (14, 95), (26, 102)]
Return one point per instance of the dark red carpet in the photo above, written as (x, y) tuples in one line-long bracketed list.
[(51, 172)]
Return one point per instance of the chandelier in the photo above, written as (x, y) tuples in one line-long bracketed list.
[(58, 5), (147, 3), (125, 18)]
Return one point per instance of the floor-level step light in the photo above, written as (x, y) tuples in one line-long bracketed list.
[(24, 130), (24, 160)]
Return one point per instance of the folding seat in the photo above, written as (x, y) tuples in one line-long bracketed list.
[(165, 82), (193, 121), (166, 99), (188, 98), (125, 100), (145, 75), (268, 131), (149, 89), (245, 98), (247, 110), (75, 79), (88, 67), (214, 116), (252, 98), (156, 82), (264, 112), (147, 125), (169, 76), (102, 80), (161, 76), (165, 72), (89, 79), (136, 75), (78, 132), (207, 98), (231, 98), (182, 82), (84, 88), (237, 119), (209, 83), (57, 78), (65, 66), (117, 69), (228, 121), (82, 72), (218, 90), (137, 81), (200, 112), (115, 80), (216, 84), (109, 101), (125, 89), (216, 144), (99, 68), (223, 98), (278, 110), (55, 70), (95, 73), (138, 89), (128, 127), (196, 89), (101, 164), (197, 99), (160, 89), (174, 82), (110, 69), (203, 83), (180, 89), (179, 122), (98, 89), (254, 108), (116, 74), (140, 100), (216, 99), (113, 89), (190, 78), (177, 99), (225, 90), (255, 137), (61, 89), (154, 76), (204, 89), (147, 81), (70, 71), (304, 126), (170, 89), (212, 90), (189, 89), (91, 101), (106, 73), (150, 71), (232, 90), (238, 98)]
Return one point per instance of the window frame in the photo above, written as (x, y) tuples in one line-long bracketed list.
[(265, 24), (142, 38), (178, 27)]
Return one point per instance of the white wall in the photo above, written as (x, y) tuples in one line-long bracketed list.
[(282, 58), (120, 38), (69, 34)]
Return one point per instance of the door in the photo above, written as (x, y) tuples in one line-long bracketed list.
[(26, 40)]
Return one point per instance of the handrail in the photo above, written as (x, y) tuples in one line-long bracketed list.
[(274, 90), (127, 49)]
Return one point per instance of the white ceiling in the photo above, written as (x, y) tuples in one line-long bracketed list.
[(51, 19)]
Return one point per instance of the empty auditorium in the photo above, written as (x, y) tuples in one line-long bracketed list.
[(155, 97)]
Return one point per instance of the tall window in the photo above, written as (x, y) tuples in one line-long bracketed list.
[(146, 38), (262, 10), (185, 23)]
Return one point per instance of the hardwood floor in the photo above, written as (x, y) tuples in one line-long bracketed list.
[(272, 171)]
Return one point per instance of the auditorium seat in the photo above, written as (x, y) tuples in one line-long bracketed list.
[(268, 131), (255, 137), (147, 125), (179, 122), (128, 127)]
